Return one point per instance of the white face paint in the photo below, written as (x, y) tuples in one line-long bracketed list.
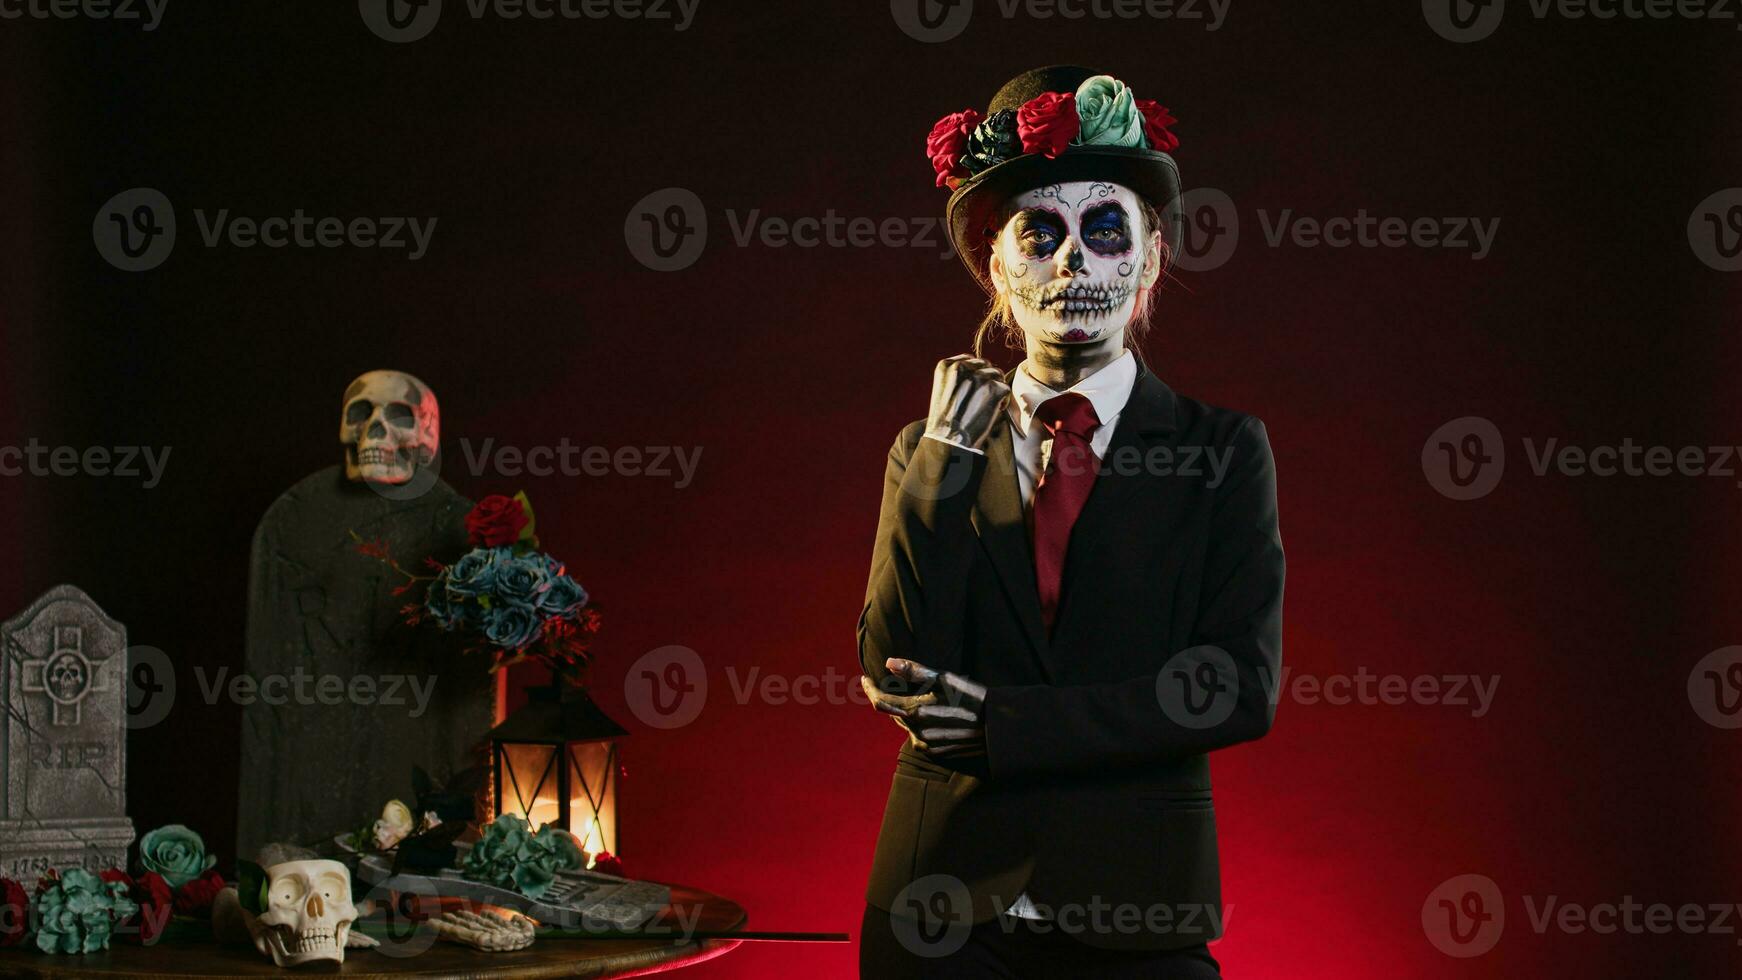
[(1074, 259)]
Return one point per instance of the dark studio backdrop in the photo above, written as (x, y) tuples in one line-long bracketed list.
[(1592, 318)]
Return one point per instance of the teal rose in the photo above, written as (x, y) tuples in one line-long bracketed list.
[(77, 912), (509, 855), (176, 853), (512, 627), (1108, 113), (565, 597), (475, 572), (521, 579)]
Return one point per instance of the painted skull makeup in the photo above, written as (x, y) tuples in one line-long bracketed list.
[(1074, 259)]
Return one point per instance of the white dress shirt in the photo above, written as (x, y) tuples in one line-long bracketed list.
[(1107, 389)]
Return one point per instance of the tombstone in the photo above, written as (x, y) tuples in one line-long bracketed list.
[(328, 652), (64, 746)]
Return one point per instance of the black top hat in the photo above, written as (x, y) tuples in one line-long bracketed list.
[(998, 169)]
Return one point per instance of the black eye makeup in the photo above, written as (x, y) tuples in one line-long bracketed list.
[(1107, 229), (1039, 232)]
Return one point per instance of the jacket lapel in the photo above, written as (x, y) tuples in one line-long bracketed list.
[(998, 519)]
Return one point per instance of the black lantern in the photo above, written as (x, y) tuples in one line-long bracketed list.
[(555, 761)]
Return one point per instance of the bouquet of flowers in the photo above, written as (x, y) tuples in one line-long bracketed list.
[(505, 594)]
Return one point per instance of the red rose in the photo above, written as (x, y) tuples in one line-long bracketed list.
[(14, 912), (1048, 122), (496, 521), (605, 862), (1156, 119), (152, 894), (197, 895), (947, 142)]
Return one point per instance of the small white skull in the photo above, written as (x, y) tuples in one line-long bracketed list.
[(308, 913), (390, 426)]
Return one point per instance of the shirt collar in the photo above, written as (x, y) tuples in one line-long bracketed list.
[(1107, 389)]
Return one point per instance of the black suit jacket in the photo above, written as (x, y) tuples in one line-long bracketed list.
[(1095, 790)]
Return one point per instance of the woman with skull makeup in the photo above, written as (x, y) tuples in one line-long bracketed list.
[(1076, 585)]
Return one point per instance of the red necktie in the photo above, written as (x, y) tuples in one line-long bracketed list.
[(1062, 491)]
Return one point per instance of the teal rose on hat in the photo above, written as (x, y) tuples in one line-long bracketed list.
[(1107, 113), (176, 853)]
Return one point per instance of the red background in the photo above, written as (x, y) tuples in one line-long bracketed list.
[(1592, 321)]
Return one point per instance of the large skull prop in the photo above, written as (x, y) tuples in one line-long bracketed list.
[(308, 913), (391, 425)]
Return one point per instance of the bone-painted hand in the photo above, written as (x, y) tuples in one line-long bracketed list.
[(967, 396), (947, 721)]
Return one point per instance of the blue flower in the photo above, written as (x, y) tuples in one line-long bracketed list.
[(565, 597), (475, 573), (522, 579), (511, 626)]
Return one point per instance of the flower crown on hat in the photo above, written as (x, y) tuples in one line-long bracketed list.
[(1101, 112)]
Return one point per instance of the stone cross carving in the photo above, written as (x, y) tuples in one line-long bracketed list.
[(63, 802)]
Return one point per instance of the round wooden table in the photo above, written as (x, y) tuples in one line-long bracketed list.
[(547, 957)]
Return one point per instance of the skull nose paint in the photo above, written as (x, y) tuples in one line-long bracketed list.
[(1070, 258), (315, 908)]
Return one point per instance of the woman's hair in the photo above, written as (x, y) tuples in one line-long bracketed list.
[(1001, 326)]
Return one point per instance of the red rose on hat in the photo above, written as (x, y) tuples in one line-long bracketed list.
[(947, 142), (1156, 119), (1048, 122)]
